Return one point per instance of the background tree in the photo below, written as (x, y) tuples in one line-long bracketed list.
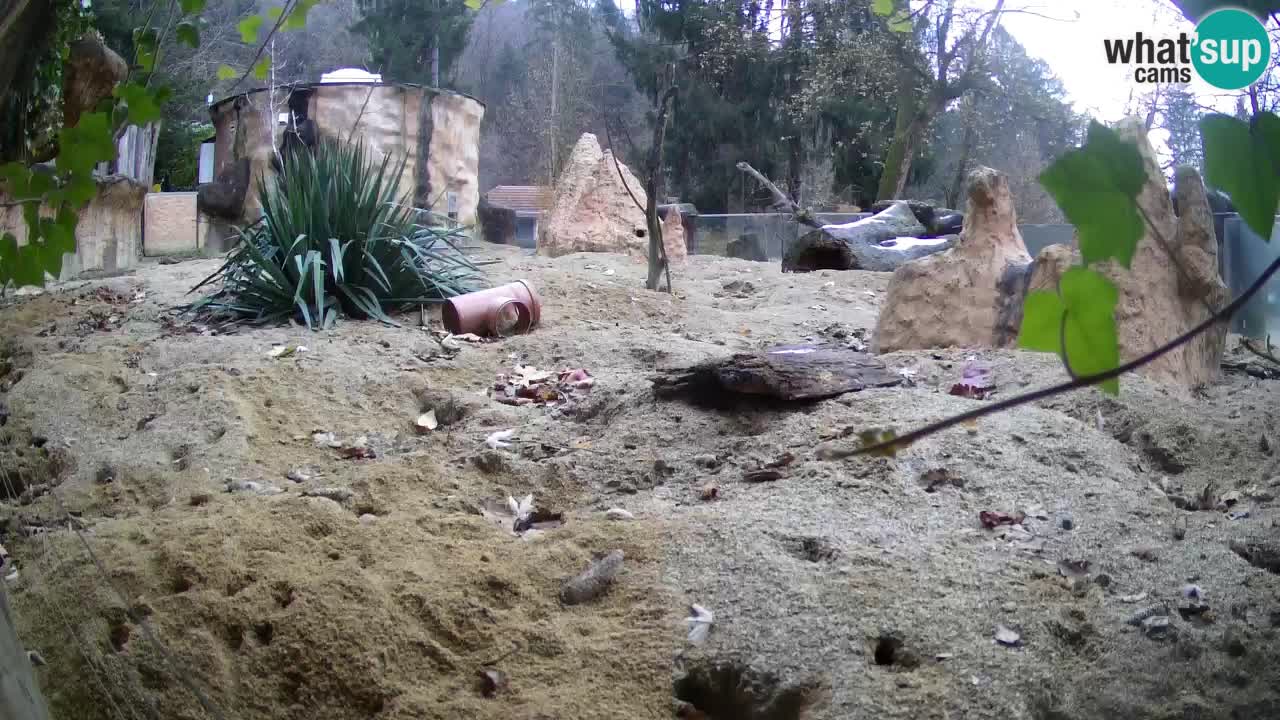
[(414, 40)]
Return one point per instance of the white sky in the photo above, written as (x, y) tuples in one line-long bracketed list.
[(1073, 47)]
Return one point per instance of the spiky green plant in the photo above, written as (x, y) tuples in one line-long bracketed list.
[(336, 238)]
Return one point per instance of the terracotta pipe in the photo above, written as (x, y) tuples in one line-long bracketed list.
[(514, 308)]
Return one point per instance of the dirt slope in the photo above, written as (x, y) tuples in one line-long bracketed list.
[(846, 589)]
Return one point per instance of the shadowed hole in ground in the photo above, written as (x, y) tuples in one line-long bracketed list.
[(889, 651), (810, 549), (731, 691)]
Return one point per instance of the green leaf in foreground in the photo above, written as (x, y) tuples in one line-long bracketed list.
[(1241, 158), (298, 16), (142, 105), (262, 68), (188, 34), (1096, 186), (226, 72), (1088, 301), (249, 28), (192, 6)]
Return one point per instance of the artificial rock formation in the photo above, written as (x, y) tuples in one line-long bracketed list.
[(972, 295), (881, 242), (1172, 283), (969, 295), (594, 211), (673, 233), (91, 73)]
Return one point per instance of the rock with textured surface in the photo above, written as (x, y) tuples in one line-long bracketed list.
[(673, 235), (1163, 295), (970, 295), (881, 242), (596, 208)]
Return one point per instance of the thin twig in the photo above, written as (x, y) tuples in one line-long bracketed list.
[(356, 124), (284, 14), (609, 136), (1076, 384)]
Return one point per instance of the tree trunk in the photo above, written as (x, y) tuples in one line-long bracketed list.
[(897, 161), (966, 150)]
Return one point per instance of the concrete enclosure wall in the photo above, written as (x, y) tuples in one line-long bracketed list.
[(109, 235), (169, 224), (437, 132), (20, 697)]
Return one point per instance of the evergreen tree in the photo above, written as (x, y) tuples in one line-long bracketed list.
[(404, 35)]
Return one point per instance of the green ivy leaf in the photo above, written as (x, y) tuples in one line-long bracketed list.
[(18, 178), (1241, 158), (1042, 322), (188, 34), (140, 102), (1096, 187), (249, 28), (883, 8), (274, 13), (1089, 302), (192, 6), (297, 19), (477, 4), (262, 68), (78, 189), (88, 143), (67, 220), (146, 43), (226, 72)]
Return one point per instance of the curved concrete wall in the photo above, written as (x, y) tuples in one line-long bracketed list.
[(436, 131)]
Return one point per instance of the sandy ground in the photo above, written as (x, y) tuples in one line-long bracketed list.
[(846, 589)]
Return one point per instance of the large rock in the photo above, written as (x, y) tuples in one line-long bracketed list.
[(969, 295), (673, 234), (923, 211), (972, 296), (1173, 280), (593, 210), (881, 242)]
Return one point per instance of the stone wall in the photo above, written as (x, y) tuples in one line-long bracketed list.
[(437, 132), (109, 235)]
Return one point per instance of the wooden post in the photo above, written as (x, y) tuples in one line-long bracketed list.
[(20, 697)]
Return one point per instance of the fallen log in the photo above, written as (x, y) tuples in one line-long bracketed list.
[(881, 242), (788, 373)]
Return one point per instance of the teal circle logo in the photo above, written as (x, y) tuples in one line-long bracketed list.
[(1232, 49)]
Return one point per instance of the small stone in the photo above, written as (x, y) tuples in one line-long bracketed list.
[(618, 514), (706, 460), (1009, 607), (628, 488), (368, 519), (1007, 637), (1103, 580), (593, 581), (1066, 522)]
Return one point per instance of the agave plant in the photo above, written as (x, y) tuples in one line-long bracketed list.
[(336, 238)]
